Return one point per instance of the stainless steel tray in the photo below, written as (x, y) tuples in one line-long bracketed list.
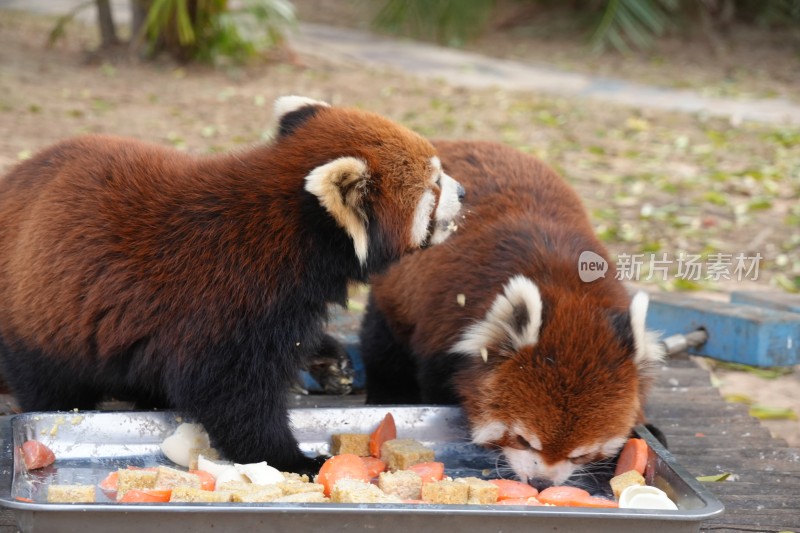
[(88, 445)]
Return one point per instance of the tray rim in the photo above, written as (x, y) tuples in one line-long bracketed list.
[(712, 506)]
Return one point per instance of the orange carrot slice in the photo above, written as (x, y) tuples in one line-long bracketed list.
[(36, 455), (207, 480), (346, 465), (432, 471), (148, 495), (632, 457), (374, 466), (510, 488), (573, 497), (109, 483), (386, 430), (519, 501)]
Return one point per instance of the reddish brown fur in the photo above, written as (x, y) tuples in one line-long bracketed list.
[(200, 283), (579, 384)]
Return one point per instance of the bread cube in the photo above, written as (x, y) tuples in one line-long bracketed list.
[(168, 478), (303, 497), (625, 480), (191, 494), (445, 491), (295, 487), (257, 493), (356, 491), (135, 479), (404, 484), (480, 491), (399, 454), (292, 476), (70, 494), (355, 443)]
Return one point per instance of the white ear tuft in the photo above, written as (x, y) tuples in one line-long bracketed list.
[(340, 186), (648, 349), (515, 318), (286, 104)]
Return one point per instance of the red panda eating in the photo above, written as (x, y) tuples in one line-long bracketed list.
[(201, 283), (549, 369)]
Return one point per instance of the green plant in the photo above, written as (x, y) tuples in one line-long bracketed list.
[(447, 21), (632, 22), (210, 30)]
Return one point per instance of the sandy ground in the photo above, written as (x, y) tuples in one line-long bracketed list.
[(48, 94)]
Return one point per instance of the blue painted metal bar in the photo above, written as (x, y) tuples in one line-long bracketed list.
[(738, 333), (779, 301)]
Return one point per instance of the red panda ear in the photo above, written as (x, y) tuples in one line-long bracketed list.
[(514, 319), (648, 349), (340, 186), (292, 111)]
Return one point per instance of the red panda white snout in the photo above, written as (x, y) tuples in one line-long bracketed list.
[(560, 420)]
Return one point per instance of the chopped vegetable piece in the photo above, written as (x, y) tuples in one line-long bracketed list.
[(632, 457), (109, 483), (374, 466), (207, 480), (573, 497), (511, 489), (345, 466), (519, 501), (146, 495), (430, 471), (36, 455), (386, 430)]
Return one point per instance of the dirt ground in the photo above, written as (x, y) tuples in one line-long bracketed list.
[(653, 181)]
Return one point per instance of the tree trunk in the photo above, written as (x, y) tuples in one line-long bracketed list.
[(108, 32)]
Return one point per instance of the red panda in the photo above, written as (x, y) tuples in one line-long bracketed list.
[(549, 369), (202, 283)]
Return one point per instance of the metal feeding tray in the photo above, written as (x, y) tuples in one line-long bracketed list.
[(88, 445)]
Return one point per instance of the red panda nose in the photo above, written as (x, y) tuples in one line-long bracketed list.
[(461, 192), (540, 483)]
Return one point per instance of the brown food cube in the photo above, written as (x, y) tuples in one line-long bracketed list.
[(480, 491), (445, 491), (257, 493), (208, 453), (304, 497), (404, 484), (625, 480), (191, 494), (135, 479), (169, 478), (355, 443), (237, 486), (292, 476), (356, 491), (399, 454), (70, 494), (295, 487)]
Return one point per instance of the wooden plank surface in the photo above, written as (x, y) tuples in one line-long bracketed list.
[(706, 435)]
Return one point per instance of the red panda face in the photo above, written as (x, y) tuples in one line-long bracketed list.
[(559, 395), (382, 183)]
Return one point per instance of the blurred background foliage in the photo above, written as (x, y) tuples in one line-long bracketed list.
[(621, 25), (223, 30)]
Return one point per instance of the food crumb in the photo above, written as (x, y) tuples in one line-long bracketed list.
[(461, 299)]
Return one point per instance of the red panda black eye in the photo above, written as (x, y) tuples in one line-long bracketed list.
[(524, 444), (581, 459)]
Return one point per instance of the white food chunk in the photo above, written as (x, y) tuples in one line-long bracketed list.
[(177, 447), (645, 497), (260, 473)]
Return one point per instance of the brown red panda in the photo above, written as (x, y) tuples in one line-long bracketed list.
[(549, 369), (202, 283)]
